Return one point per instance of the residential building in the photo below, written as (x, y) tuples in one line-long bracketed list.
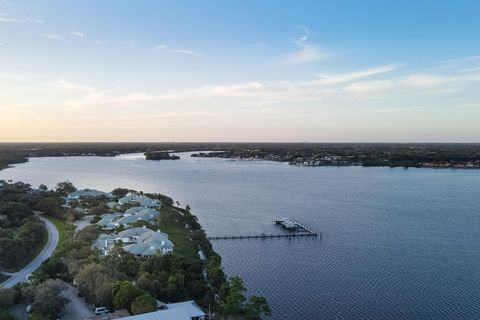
[(147, 214), (143, 201), (87, 193), (150, 243), (187, 310), (109, 220), (138, 241)]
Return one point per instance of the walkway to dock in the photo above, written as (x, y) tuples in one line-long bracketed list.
[(300, 231), (268, 236)]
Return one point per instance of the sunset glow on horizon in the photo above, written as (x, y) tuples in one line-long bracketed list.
[(270, 71)]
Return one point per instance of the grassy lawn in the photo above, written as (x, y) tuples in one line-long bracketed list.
[(63, 231), (172, 223), (35, 252)]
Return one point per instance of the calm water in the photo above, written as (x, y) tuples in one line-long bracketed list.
[(397, 244)]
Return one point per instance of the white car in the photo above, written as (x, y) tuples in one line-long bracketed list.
[(100, 310)]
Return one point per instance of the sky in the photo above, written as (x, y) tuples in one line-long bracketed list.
[(269, 71)]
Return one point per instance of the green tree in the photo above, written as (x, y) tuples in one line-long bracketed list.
[(52, 268), (124, 292), (144, 283), (234, 303), (143, 304), (88, 234), (232, 295), (121, 261), (257, 307), (65, 187), (37, 316), (7, 298), (5, 315), (95, 282), (47, 299), (120, 192)]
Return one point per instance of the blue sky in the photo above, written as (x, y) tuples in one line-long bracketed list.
[(240, 71)]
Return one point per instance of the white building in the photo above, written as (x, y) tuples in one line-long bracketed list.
[(187, 310), (138, 241), (145, 214)]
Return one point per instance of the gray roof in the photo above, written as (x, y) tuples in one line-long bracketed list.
[(144, 201), (127, 220), (88, 193), (146, 214), (174, 314), (108, 220), (191, 307), (174, 311), (149, 243), (134, 210), (133, 232), (111, 204), (100, 242)]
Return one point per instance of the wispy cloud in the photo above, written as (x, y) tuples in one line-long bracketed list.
[(5, 18), (189, 52), (377, 84), (352, 85), (69, 85), (469, 62), (306, 51), (77, 33), (51, 36), (36, 20), (180, 51), (355, 75), (100, 42), (462, 59)]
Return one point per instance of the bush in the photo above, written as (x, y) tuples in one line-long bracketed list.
[(143, 304), (124, 293), (7, 298), (47, 299), (5, 315)]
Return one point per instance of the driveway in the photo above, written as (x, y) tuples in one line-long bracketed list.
[(46, 252), (82, 223), (76, 309)]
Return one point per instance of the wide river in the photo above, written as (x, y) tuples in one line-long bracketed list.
[(397, 243)]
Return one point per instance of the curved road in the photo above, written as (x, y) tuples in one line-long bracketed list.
[(46, 252)]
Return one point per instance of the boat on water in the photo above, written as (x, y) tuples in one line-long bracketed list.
[(287, 223)]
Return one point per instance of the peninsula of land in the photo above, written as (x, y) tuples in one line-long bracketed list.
[(119, 253)]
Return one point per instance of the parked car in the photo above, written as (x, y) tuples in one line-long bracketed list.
[(100, 310)]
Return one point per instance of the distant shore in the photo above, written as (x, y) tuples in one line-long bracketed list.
[(415, 155)]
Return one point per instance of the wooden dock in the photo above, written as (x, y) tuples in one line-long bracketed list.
[(301, 231), (268, 236)]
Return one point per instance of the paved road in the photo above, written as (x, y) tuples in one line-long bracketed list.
[(37, 262)]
